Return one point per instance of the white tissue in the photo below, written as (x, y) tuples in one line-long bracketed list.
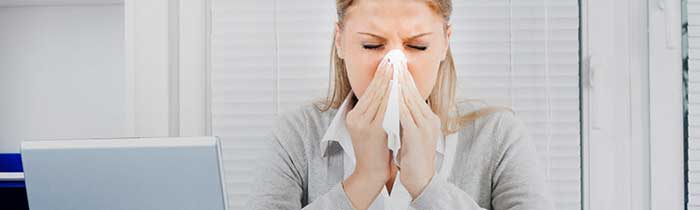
[(397, 61)]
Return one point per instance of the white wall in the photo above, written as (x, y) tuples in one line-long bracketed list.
[(61, 73)]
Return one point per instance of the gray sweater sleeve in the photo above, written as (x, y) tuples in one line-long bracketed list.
[(518, 181), (280, 179), (280, 186)]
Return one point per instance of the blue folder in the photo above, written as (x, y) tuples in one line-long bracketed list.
[(11, 162)]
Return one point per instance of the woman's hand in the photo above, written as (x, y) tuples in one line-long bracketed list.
[(421, 129), (369, 141)]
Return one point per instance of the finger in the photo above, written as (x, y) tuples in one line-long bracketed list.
[(406, 116), (375, 102), (373, 89), (415, 114), (417, 101), (418, 98), (410, 95), (369, 91), (379, 115), (410, 84)]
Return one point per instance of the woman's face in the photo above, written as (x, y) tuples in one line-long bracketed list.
[(373, 28)]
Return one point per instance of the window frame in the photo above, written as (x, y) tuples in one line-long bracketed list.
[(629, 161)]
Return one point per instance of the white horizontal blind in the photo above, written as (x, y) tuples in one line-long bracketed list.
[(524, 54), (269, 56), (242, 86), (693, 175), (266, 56)]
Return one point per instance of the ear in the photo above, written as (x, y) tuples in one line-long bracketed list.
[(448, 34), (338, 48)]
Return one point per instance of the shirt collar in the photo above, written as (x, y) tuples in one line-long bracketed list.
[(338, 132)]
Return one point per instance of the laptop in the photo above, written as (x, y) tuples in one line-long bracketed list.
[(134, 173)]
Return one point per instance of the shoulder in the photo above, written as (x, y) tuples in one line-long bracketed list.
[(302, 121), (487, 143), (494, 130), (498, 153), (487, 117), (298, 129)]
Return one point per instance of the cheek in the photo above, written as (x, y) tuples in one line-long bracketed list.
[(360, 69), (425, 81), (425, 75), (360, 74)]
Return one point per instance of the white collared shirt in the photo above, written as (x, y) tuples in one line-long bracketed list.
[(400, 198)]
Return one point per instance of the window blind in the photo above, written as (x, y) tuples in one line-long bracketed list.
[(524, 54), (693, 123), (269, 56)]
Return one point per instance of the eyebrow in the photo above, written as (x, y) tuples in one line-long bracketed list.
[(410, 38)]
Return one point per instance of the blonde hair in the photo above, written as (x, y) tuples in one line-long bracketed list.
[(442, 98)]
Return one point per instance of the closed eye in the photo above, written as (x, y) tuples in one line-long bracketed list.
[(372, 46), (421, 48)]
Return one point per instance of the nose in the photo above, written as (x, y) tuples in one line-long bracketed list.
[(394, 46), (396, 56), (398, 50)]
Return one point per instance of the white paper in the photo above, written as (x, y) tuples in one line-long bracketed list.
[(396, 60)]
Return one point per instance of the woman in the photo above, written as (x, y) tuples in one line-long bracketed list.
[(334, 155)]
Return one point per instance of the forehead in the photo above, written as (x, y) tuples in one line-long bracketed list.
[(390, 16)]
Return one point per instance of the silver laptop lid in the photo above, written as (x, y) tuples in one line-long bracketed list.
[(140, 173)]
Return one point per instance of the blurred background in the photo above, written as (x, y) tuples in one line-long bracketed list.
[(608, 89)]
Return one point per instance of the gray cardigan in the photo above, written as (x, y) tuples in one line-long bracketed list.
[(495, 167)]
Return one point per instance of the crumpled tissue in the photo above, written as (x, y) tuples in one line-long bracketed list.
[(396, 60)]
